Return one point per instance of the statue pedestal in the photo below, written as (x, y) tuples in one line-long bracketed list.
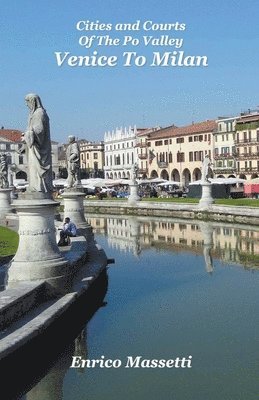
[(5, 201), (74, 208), (133, 197), (38, 256), (206, 198)]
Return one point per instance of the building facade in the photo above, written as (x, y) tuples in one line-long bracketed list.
[(91, 158), (224, 155), (120, 152), (144, 154), (10, 144), (176, 153), (247, 145)]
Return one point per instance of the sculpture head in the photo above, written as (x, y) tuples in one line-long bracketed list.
[(33, 101), (71, 139)]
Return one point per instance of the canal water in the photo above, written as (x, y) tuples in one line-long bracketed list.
[(178, 289)]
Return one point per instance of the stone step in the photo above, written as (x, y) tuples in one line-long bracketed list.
[(33, 324), (17, 301)]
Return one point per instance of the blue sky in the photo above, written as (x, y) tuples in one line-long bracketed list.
[(88, 101)]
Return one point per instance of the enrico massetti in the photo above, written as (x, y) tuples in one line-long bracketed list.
[(131, 362)]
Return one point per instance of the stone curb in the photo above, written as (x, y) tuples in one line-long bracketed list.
[(213, 212)]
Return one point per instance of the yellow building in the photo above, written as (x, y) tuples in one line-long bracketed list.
[(174, 153), (91, 157)]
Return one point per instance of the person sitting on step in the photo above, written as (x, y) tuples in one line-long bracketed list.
[(68, 230)]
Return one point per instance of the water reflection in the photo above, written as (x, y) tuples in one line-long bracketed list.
[(234, 244), (207, 232), (51, 386), (165, 301), (40, 367), (164, 298)]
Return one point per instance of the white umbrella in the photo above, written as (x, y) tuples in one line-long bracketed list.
[(59, 182), (125, 181), (167, 183), (220, 181), (96, 182), (153, 180), (112, 182)]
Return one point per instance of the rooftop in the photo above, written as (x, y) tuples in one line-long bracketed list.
[(12, 135), (248, 118), (195, 128)]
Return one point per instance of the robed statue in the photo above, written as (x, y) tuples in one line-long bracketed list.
[(37, 144), (73, 163), (3, 171), (205, 169), (134, 171)]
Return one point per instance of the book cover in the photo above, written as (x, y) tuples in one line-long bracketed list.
[(177, 315)]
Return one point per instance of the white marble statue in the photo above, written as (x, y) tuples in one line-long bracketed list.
[(134, 172), (3, 172), (73, 162), (38, 146), (205, 168)]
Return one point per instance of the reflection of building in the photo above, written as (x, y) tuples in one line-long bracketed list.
[(179, 234), (231, 244), (99, 224), (124, 234)]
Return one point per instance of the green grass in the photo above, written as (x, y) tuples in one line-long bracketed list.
[(8, 241), (226, 202), (238, 202)]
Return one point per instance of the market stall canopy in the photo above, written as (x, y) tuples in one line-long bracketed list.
[(100, 182), (59, 182), (252, 181), (154, 180), (93, 182), (220, 181), (251, 186), (168, 183)]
